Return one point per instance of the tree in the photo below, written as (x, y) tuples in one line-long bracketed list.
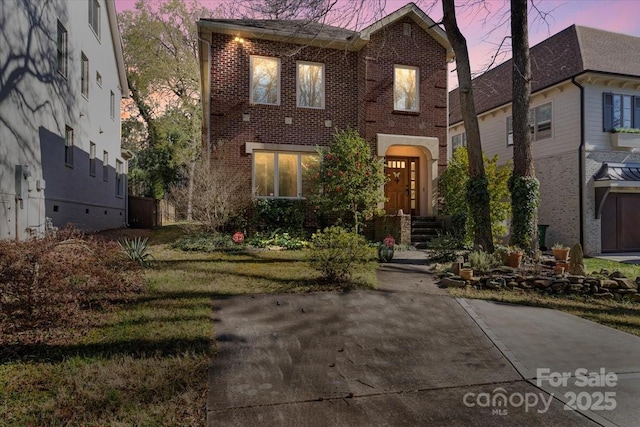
[(160, 50), (523, 184), (350, 178), (478, 186)]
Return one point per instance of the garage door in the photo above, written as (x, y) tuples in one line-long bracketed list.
[(621, 223)]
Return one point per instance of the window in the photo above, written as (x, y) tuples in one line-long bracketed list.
[(92, 159), (540, 119), (459, 140), (310, 84), (119, 180), (68, 146), (265, 80), (98, 79), (112, 105), (105, 166), (621, 111), (84, 76), (405, 88), (62, 50), (283, 174), (94, 16)]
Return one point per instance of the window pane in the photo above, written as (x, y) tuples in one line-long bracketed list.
[(509, 131), (264, 80), (405, 89), (288, 175), (310, 165), (543, 115), (264, 171), (626, 116), (617, 111), (311, 85)]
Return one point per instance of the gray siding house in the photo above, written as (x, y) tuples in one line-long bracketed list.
[(62, 77), (585, 98)]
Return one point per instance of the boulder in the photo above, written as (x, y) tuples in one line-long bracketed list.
[(634, 297), (603, 295), (608, 284), (449, 282), (542, 283), (558, 286), (575, 279), (624, 283), (576, 260), (616, 275)]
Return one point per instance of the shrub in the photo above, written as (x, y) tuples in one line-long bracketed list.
[(47, 282), (337, 253), (482, 261), (207, 242), (137, 250), (445, 247), (279, 214), (276, 238)]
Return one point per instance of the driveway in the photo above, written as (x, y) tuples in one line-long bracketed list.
[(405, 354)]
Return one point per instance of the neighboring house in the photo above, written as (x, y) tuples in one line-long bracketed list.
[(273, 90), (585, 83), (62, 77)]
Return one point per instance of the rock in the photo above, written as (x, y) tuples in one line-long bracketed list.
[(520, 278), (523, 285), (558, 286), (575, 279), (625, 283), (576, 260), (608, 284), (616, 275), (542, 283), (575, 287), (513, 284), (496, 283), (594, 288), (625, 291), (448, 282), (603, 295), (634, 297)]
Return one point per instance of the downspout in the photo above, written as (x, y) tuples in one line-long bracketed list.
[(205, 81), (581, 161)]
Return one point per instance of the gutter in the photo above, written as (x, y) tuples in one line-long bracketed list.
[(581, 161)]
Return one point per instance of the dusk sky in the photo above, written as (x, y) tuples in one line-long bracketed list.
[(614, 15)]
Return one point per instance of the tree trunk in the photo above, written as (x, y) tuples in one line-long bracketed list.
[(478, 188), (523, 185)]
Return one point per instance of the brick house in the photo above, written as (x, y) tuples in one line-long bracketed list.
[(585, 84), (273, 90)]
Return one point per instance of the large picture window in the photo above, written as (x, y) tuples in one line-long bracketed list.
[(288, 175), (310, 84), (405, 88), (621, 111), (540, 121), (265, 80)]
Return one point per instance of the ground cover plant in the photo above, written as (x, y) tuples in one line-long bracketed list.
[(144, 361)]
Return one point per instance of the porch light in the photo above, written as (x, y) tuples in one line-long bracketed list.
[(238, 39)]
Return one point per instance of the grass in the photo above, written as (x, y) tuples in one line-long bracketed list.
[(617, 313), (145, 363)]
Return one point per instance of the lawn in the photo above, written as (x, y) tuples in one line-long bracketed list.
[(145, 362), (620, 314)]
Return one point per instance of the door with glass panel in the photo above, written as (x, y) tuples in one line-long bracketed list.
[(401, 189)]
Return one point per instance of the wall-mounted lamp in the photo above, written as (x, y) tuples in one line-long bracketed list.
[(238, 39)]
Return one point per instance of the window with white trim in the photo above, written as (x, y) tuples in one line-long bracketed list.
[(94, 17), (62, 50), (84, 75), (405, 88), (540, 123), (620, 111), (310, 84), (282, 174), (459, 140), (265, 80), (68, 146)]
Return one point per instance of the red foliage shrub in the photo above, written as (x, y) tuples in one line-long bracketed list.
[(48, 282)]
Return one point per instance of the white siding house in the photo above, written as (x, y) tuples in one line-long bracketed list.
[(62, 78), (589, 190)]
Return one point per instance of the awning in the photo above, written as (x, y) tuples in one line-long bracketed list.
[(615, 177)]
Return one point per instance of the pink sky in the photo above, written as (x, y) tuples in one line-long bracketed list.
[(614, 15)]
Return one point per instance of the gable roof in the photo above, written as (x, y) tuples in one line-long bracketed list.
[(318, 34), (572, 51)]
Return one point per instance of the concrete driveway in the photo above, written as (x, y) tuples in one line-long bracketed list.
[(405, 354)]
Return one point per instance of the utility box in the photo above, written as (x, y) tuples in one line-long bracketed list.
[(22, 184)]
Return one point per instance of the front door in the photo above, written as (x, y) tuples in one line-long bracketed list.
[(401, 187), (619, 224)]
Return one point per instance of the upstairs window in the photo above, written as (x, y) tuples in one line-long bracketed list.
[(265, 80), (405, 88), (92, 159), (310, 84), (84, 76), (68, 146), (62, 50), (94, 16), (285, 175), (540, 121), (621, 111)]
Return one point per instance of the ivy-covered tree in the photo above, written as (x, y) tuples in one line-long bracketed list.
[(349, 178), (453, 184)]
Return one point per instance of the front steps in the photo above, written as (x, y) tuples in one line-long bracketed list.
[(425, 228)]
